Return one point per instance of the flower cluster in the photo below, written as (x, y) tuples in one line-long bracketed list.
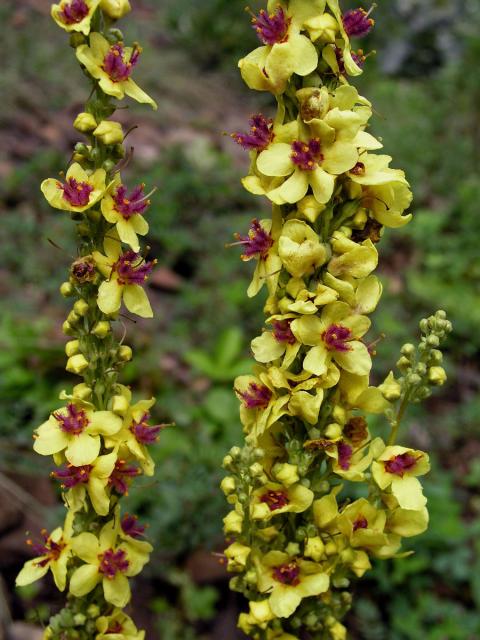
[(98, 438), (298, 532)]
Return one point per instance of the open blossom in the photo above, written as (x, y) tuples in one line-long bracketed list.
[(78, 192), (112, 66), (74, 15), (126, 274)]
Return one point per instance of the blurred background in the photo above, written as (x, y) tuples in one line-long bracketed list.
[(425, 86)]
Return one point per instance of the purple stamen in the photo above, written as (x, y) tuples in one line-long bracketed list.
[(282, 331), (257, 397), (336, 338), (48, 550), (131, 527), (360, 523), (345, 453), (74, 12), (132, 268), (114, 627), (357, 23), (356, 429), (130, 205), (287, 574), (307, 155), (271, 29), (71, 476), (257, 243), (357, 57), (399, 465), (113, 562), (275, 499), (83, 269), (75, 422), (76, 193), (120, 476), (143, 432), (260, 136), (115, 65)]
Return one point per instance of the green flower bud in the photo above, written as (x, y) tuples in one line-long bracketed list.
[(72, 348), (101, 329), (293, 549), (66, 289), (94, 215), (73, 318), (67, 329), (403, 364), (84, 122), (76, 39), (81, 307), (408, 349), (433, 341), (109, 132), (227, 461), (77, 364), (115, 9), (125, 353), (235, 452), (79, 619)]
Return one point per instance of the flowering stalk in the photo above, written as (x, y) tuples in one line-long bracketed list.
[(300, 532), (98, 438)]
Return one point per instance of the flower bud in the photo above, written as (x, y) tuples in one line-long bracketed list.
[(72, 348), (67, 328), (81, 307), (125, 353), (403, 364), (390, 389), (76, 39), (235, 452), (79, 619), (84, 122), (119, 405), (286, 473), (101, 329), (109, 132), (256, 470), (93, 611), (408, 350), (66, 289), (73, 318), (232, 523), (227, 461), (293, 549), (437, 376), (310, 208), (333, 431), (77, 364), (228, 485), (315, 549), (115, 9), (330, 548)]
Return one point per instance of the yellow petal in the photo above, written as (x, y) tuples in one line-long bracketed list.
[(84, 579), (136, 301), (109, 296), (117, 591), (82, 449)]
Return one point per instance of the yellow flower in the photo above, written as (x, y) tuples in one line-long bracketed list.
[(279, 342), (350, 461), (76, 429), (260, 407), (91, 479), (85, 122), (74, 15), (273, 499), (285, 50), (52, 553), (363, 525), (79, 192), (237, 555), (125, 211), (334, 336), (397, 468), (288, 580), (117, 626), (106, 562), (125, 273), (112, 66), (137, 435)]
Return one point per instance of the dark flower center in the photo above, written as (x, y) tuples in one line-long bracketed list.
[(115, 65), (282, 331), (260, 136), (131, 526), (74, 422), (307, 155), (287, 574), (271, 29), (129, 205), (47, 549), (358, 169), (336, 338), (257, 396), (74, 11), (122, 475), (114, 627), (357, 23), (360, 523), (113, 562), (356, 429), (71, 476), (399, 465), (357, 57), (144, 433), (257, 243), (275, 499), (345, 453), (132, 268), (76, 193), (83, 269)]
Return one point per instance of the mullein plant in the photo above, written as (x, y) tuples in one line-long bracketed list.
[(315, 494), (98, 437)]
